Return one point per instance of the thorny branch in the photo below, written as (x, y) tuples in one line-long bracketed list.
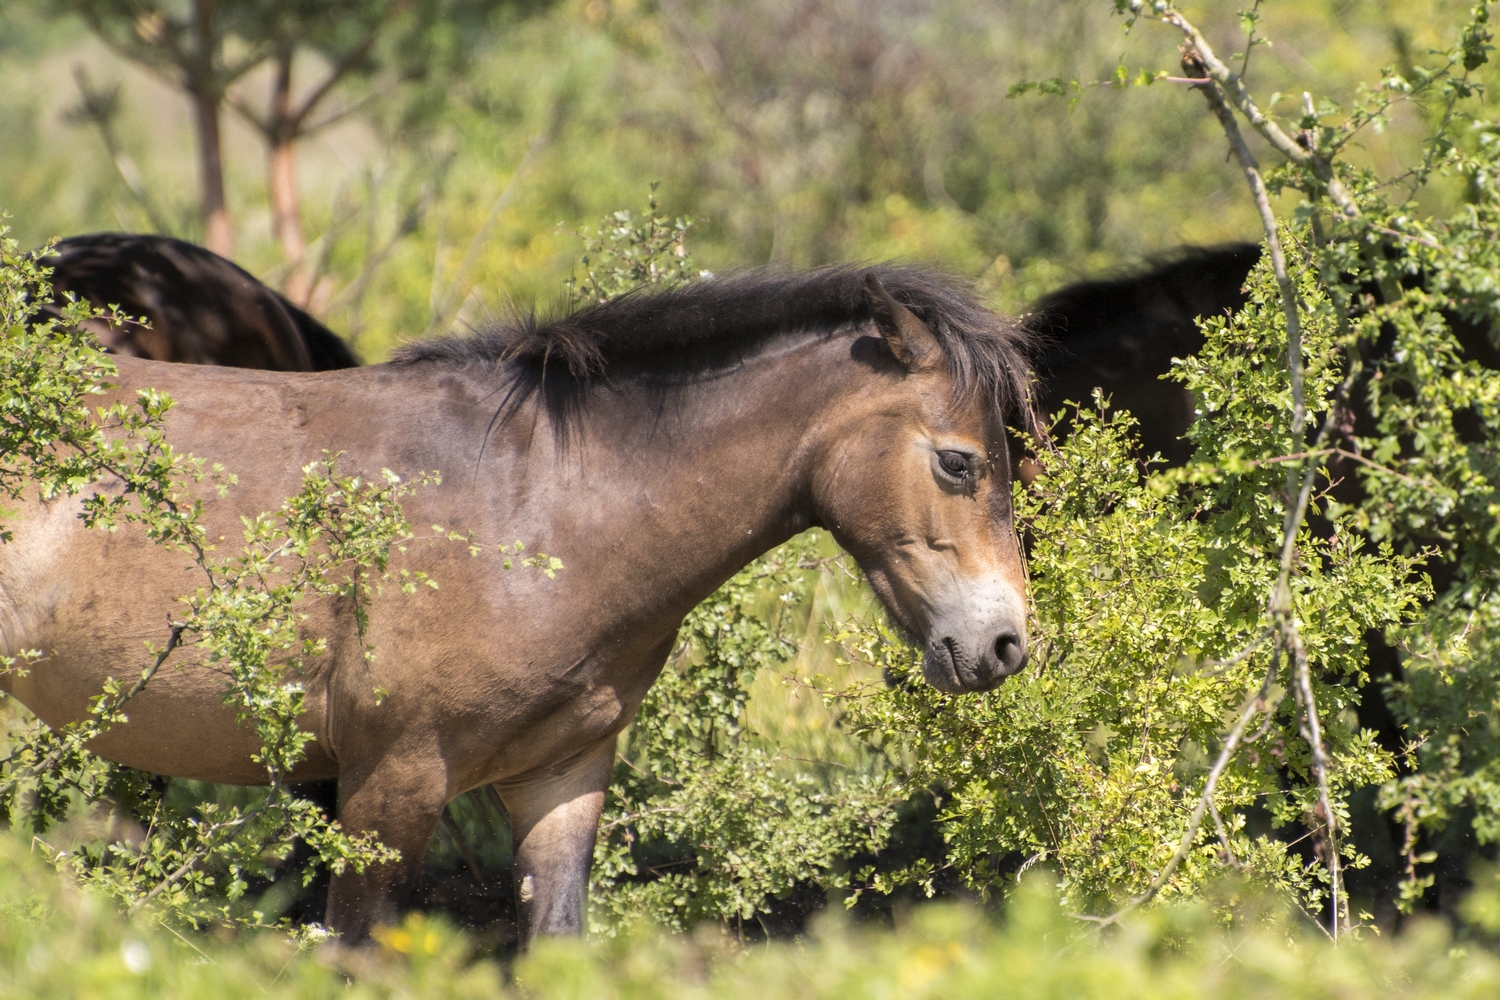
[(1225, 91), (1280, 604)]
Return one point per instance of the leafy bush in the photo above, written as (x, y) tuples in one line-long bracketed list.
[(1149, 638), (1175, 613), (707, 819)]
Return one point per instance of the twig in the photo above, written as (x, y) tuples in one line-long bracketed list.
[(1250, 38), (205, 955), (1243, 655), (1313, 733), (1406, 236), (51, 760), (628, 818), (1355, 456), (1233, 90), (1213, 811), (202, 852), (1280, 603), (1281, 598), (140, 685)]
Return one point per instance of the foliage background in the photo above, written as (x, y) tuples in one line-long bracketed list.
[(802, 131)]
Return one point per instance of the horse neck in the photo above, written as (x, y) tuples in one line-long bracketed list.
[(667, 496)]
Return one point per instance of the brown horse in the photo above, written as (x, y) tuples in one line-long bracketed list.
[(656, 444), (201, 309)]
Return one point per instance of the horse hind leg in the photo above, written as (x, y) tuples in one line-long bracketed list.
[(554, 819), (311, 902), (400, 800)]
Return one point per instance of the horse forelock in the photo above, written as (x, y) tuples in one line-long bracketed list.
[(690, 330)]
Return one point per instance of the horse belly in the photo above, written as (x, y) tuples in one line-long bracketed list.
[(89, 602)]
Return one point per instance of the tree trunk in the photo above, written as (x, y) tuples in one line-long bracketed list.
[(281, 174), (286, 218), (218, 234)]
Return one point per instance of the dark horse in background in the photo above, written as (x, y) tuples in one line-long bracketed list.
[(200, 308), (1120, 334)]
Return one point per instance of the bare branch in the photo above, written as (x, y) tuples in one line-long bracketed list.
[(261, 123), (1313, 733), (1198, 59), (1234, 90), (1221, 666), (352, 59), (334, 117), (1407, 236), (1213, 811)]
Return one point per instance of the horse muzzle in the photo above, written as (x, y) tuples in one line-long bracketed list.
[(975, 652)]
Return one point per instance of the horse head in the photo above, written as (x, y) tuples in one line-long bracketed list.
[(922, 497)]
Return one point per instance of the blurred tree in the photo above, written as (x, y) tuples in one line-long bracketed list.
[(881, 128), (346, 37), (185, 45), (345, 34)]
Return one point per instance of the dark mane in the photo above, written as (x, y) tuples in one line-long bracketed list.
[(707, 326)]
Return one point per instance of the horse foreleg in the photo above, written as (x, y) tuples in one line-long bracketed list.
[(554, 818), (400, 800)]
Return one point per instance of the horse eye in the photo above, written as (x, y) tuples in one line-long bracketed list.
[(955, 463)]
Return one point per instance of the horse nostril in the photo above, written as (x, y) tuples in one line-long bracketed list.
[(1010, 651)]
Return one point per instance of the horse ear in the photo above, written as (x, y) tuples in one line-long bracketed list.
[(908, 337)]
